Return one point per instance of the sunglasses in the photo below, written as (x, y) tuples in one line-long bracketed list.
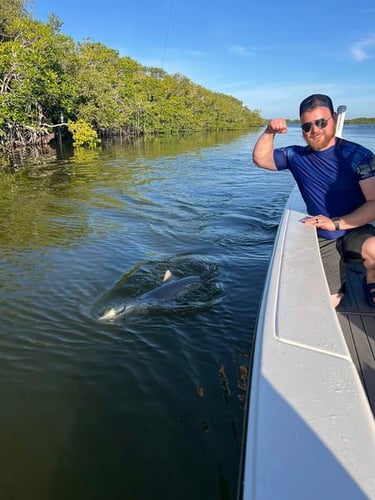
[(320, 123)]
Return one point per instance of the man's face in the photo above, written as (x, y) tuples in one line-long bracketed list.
[(319, 128)]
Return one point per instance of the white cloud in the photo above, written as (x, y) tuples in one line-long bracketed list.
[(361, 50), (240, 50)]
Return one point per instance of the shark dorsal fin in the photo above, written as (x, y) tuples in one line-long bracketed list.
[(168, 276)]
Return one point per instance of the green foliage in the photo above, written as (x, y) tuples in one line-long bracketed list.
[(47, 79), (83, 134), (10, 10), (37, 65), (361, 120)]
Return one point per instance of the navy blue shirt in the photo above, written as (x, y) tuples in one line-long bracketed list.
[(329, 179)]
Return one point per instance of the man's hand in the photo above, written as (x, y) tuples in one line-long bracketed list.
[(263, 149), (277, 126), (321, 222)]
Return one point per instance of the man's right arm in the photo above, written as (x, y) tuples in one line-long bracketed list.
[(263, 149)]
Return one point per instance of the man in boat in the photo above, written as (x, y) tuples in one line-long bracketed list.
[(336, 178)]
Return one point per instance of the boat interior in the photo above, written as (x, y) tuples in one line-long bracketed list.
[(357, 320)]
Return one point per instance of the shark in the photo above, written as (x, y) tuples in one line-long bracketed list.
[(170, 287)]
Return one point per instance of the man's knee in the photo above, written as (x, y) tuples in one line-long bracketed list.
[(368, 249)]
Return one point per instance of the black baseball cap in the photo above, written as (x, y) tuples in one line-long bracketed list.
[(316, 101)]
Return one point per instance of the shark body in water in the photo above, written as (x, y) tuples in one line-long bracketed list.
[(170, 288)]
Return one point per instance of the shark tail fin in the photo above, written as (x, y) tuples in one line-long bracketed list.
[(168, 276)]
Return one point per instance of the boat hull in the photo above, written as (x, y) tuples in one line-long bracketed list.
[(309, 428)]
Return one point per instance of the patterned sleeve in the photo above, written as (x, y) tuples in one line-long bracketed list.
[(366, 168)]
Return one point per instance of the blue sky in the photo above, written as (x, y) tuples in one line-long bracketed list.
[(268, 54)]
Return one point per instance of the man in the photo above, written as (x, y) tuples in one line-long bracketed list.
[(337, 182)]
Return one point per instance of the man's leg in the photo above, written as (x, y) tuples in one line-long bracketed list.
[(368, 255), (360, 243), (336, 298), (334, 268)]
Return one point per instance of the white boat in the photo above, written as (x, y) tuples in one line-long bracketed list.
[(309, 427)]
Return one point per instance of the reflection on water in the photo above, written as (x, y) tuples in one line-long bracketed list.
[(94, 410)]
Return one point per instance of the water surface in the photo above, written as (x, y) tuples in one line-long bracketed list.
[(151, 406)]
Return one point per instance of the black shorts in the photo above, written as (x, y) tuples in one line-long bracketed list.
[(347, 248)]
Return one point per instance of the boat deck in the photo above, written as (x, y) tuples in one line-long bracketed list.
[(357, 320)]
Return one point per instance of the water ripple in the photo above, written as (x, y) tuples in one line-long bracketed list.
[(91, 403)]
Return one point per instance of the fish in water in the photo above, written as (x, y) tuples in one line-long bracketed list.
[(170, 288)]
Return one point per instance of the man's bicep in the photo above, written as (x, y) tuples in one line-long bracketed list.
[(368, 188)]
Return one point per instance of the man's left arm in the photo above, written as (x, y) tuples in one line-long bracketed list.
[(366, 212), (359, 217)]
